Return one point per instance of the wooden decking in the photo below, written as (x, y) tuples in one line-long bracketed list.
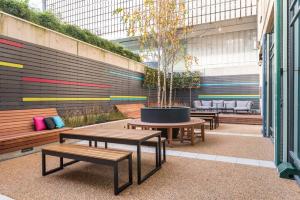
[(240, 119)]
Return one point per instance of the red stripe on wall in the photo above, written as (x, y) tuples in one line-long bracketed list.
[(11, 43), (42, 80)]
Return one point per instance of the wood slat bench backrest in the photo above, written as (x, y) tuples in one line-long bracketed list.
[(98, 153), (21, 121), (130, 110)]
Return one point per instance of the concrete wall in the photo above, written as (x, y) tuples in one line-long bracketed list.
[(40, 68), (265, 18), (17, 28)]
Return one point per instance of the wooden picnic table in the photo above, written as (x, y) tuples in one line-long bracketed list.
[(121, 136), (169, 126)]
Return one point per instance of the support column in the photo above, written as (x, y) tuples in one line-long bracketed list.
[(277, 106)]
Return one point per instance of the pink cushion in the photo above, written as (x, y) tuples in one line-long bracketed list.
[(39, 123)]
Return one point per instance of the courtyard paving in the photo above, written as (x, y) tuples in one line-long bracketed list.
[(225, 166)]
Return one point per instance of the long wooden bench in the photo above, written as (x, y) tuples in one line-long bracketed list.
[(17, 130), (132, 111), (89, 154)]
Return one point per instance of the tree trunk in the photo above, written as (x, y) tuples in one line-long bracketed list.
[(190, 97), (148, 96), (164, 92), (158, 79), (171, 84)]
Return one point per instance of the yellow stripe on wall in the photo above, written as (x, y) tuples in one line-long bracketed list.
[(8, 64), (31, 99), (128, 97)]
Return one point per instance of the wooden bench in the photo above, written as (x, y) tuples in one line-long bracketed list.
[(132, 111), (89, 154), (17, 130)]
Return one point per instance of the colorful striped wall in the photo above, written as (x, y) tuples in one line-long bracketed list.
[(33, 76), (235, 87)]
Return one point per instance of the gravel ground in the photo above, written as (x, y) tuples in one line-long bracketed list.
[(179, 178), (236, 146)]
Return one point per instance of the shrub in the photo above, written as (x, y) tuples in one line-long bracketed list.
[(20, 8), (89, 115)]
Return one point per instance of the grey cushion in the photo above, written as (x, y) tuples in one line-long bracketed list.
[(229, 104), (247, 104), (206, 103), (197, 104), (218, 103)]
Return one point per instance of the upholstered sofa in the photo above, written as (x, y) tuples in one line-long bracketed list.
[(222, 105)]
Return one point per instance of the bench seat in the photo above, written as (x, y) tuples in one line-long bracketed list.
[(25, 140), (89, 154), (17, 130)]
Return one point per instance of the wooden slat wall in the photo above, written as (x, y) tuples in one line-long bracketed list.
[(46, 63), (235, 89)]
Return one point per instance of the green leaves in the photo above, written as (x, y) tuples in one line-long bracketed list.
[(48, 20), (181, 80), (20, 8)]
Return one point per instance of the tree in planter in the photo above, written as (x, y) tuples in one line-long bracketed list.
[(162, 28)]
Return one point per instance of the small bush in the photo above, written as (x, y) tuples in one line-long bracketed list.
[(20, 8), (89, 116)]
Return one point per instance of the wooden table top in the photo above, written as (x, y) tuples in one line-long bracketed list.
[(192, 122), (118, 134)]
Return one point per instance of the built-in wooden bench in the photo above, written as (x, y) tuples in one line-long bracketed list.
[(89, 154), (132, 111), (17, 130)]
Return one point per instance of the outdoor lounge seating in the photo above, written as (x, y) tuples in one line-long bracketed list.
[(243, 106), (221, 105), (89, 154), (17, 130)]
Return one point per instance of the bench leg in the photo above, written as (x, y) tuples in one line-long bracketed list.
[(118, 189), (202, 133), (43, 164), (164, 152), (61, 165), (156, 154), (105, 144), (116, 179)]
